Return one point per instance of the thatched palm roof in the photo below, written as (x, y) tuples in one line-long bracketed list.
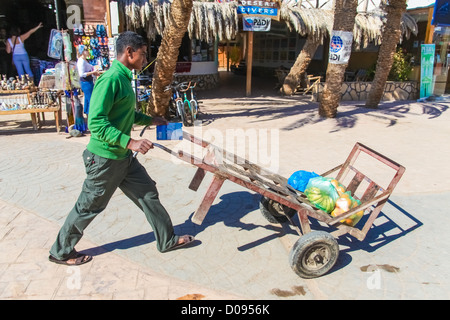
[(211, 19)]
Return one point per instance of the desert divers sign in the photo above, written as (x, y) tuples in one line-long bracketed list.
[(266, 9), (256, 23), (340, 47)]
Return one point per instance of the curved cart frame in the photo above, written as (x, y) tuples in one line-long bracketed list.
[(314, 253)]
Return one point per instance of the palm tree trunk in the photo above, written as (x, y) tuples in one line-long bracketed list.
[(344, 20), (292, 80), (166, 60), (390, 37)]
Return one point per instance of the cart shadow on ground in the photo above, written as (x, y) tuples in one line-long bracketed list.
[(393, 223), (232, 209)]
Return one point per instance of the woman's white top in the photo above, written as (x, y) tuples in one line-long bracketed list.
[(19, 48), (83, 67)]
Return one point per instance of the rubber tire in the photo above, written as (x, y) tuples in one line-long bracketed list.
[(180, 110), (188, 114), (303, 249), (194, 106), (266, 206)]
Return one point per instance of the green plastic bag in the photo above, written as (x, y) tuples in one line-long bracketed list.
[(321, 193)]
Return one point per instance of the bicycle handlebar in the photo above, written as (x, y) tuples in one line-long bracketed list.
[(183, 86)]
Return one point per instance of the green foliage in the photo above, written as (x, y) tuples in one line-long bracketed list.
[(371, 72), (235, 55), (401, 67)]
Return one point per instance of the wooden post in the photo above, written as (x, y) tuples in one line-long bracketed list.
[(197, 179), (227, 54), (249, 62), (430, 28), (108, 19), (208, 199)]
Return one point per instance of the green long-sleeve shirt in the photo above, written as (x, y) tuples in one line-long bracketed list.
[(112, 113)]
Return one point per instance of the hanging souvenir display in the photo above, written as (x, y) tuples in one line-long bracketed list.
[(95, 39), (55, 45), (68, 80), (66, 76)]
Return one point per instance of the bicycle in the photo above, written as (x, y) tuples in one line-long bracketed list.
[(145, 94), (176, 102), (193, 100), (188, 110)]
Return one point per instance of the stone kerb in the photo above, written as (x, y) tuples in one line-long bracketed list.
[(359, 91)]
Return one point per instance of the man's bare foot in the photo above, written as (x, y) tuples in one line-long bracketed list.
[(182, 240)]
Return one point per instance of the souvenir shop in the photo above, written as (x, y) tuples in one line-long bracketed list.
[(53, 51)]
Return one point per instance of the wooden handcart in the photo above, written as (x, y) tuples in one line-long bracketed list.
[(315, 252)]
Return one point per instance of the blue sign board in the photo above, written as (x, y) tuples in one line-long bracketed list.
[(441, 14), (257, 11)]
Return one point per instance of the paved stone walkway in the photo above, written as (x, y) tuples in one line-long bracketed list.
[(238, 254)]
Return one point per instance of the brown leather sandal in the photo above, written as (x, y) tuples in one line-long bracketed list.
[(79, 259)]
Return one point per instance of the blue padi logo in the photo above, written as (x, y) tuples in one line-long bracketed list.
[(336, 44), (248, 24)]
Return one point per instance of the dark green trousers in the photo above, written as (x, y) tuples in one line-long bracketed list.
[(104, 176)]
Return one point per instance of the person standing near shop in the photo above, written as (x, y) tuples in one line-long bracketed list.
[(109, 159), (87, 72), (16, 46)]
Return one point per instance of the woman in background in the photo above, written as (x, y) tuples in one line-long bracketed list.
[(16, 46), (86, 72)]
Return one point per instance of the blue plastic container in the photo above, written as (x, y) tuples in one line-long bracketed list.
[(171, 131)]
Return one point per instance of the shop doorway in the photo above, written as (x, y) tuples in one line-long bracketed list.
[(26, 14)]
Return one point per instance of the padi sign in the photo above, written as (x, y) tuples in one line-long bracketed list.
[(256, 24), (340, 47)]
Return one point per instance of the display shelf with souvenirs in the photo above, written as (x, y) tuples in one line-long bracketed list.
[(19, 95)]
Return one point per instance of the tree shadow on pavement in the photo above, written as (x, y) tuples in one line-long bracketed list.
[(388, 112), (299, 111)]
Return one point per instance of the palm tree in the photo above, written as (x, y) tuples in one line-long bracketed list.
[(390, 37), (315, 24), (166, 60), (299, 68), (344, 20)]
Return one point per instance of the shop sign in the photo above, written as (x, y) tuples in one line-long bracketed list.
[(426, 70), (340, 47), (256, 24), (267, 9)]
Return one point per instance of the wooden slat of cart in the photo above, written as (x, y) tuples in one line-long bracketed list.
[(273, 186), (248, 175)]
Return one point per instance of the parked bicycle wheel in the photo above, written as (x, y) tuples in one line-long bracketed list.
[(180, 110), (188, 114), (194, 106)]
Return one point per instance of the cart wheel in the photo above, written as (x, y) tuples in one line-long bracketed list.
[(314, 254), (273, 211)]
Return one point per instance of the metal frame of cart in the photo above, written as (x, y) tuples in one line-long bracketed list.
[(315, 252)]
